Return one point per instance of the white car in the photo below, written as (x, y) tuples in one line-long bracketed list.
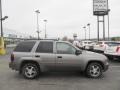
[(113, 51), (101, 45), (88, 45)]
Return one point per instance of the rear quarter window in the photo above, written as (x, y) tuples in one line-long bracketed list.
[(24, 46)]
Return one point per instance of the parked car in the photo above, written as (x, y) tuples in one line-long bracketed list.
[(31, 58), (101, 46), (113, 51), (88, 45)]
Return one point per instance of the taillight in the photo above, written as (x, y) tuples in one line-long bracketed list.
[(118, 49), (12, 57)]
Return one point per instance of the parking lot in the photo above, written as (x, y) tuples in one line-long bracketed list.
[(11, 80)]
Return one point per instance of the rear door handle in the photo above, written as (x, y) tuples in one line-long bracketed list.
[(37, 55), (59, 56)]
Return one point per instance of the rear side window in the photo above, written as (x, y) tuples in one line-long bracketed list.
[(25, 46), (45, 47)]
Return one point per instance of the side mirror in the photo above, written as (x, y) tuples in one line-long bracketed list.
[(78, 52)]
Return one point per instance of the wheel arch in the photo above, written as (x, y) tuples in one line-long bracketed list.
[(94, 61), (28, 61)]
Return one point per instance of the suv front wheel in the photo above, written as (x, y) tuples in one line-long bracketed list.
[(30, 71), (94, 70)]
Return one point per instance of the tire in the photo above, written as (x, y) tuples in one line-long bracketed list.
[(94, 70), (30, 71)]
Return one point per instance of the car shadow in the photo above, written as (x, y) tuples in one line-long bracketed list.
[(58, 76), (115, 60)]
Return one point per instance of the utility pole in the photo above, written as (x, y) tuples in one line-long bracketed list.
[(38, 32)]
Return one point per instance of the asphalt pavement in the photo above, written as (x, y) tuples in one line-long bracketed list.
[(11, 80)]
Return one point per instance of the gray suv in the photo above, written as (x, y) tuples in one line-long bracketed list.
[(31, 58)]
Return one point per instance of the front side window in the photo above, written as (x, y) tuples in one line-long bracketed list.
[(25, 46), (64, 48), (45, 47)]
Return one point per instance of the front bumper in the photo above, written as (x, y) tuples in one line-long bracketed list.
[(106, 66)]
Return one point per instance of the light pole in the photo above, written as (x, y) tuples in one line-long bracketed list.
[(108, 25), (45, 28), (89, 29), (2, 19), (2, 44), (38, 32), (85, 31)]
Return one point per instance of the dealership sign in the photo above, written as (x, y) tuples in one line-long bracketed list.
[(100, 7)]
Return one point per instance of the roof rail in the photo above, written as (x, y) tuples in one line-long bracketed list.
[(44, 39), (50, 39)]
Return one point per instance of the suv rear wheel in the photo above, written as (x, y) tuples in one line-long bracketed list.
[(94, 70), (30, 70)]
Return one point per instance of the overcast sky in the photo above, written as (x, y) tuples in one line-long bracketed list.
[(65, 17)]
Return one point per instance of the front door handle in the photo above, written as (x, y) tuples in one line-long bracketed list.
[(59, 56), (37, 55)]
